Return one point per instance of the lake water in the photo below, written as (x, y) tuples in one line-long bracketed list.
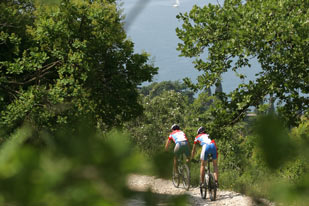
[(151, 26)]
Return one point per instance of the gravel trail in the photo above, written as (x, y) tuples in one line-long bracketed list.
[(159, 186)]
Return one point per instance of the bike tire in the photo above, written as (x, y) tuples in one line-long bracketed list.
[(212, 188), (175, 179), (186, 177), (203, 189)]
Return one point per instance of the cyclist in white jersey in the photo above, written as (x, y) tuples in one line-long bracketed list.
[(208, 147), (181, 144)]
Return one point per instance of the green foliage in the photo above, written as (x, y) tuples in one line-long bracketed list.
[(272, 163), (77, 166), (276, 34), (151, 129), (296, 189), (195, 174), (275, 141), (167, 103), (72, 170), (66, 61), (163, 162), (156, 89), (63, 61)]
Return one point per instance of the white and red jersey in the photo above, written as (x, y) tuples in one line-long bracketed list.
[(202, 139), (178, 136)]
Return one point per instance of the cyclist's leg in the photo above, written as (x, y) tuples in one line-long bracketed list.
[(186, 151), (215, 162), (203, 163), (202, 170), (175, 165), (177, 152), (183, 149)]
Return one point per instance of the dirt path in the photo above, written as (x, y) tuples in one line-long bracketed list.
[(165, 187)]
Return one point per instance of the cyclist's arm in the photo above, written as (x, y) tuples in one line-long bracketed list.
[(187, 141), (168, 141), (193, 151), (213, 141)]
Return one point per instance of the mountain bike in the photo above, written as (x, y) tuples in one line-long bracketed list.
[(183, 174), (209, 183)]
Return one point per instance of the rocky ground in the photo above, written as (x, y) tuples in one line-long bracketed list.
[(165, 190)]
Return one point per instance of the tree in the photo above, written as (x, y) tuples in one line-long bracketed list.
[(150, 130), (67, 61), (156, 89), (275, 33)]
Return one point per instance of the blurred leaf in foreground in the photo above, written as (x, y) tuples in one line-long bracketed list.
[(274, 141), (75, 167)]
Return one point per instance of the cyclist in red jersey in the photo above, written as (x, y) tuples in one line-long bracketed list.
[(208, 147), (181, 144)]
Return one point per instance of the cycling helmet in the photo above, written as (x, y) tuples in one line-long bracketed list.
[(200, 130), (175, 127)]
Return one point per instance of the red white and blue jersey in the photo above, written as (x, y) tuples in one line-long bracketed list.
[(202, 139), (178, 136)]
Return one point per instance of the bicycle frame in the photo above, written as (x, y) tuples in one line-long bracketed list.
[(183, 174), (209, 182)]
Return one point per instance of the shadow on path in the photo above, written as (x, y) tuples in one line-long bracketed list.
[(227, 196), (149, 199)]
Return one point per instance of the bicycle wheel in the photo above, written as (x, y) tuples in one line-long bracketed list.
[(212, 188), (176, 178), (186, 177), (203, 189)]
